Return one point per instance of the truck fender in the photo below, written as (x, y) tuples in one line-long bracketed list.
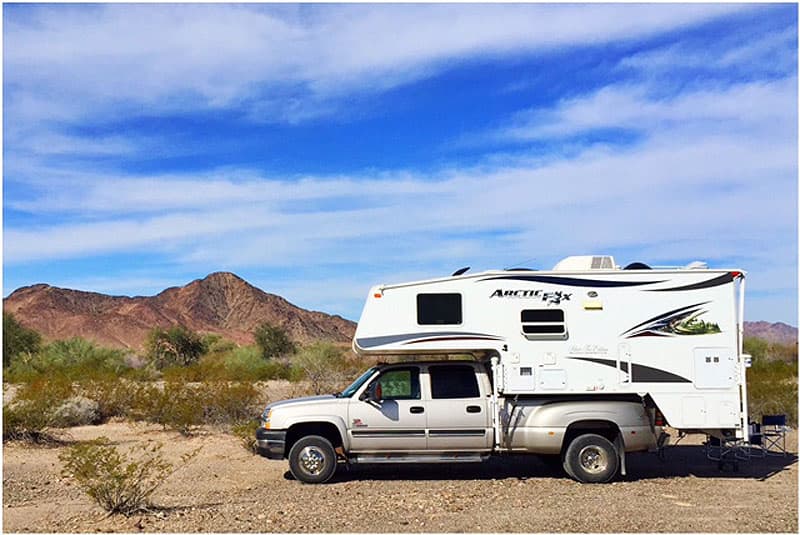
[(335, 421)]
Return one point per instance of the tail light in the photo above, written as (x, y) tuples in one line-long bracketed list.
[(658, 420)]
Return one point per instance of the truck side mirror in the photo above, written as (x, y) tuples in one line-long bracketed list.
[(374, 393)]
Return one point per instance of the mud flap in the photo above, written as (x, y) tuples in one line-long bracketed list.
[(620, 445)]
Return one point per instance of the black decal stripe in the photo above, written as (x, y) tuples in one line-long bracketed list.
[(604, 362), (665, 315), (378, 433), (570, 281), (457, 433), (640, 372), (646, 374), (716, 281), (450, 338), (394, 338)]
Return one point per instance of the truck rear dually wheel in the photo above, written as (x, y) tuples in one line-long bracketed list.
[(312, 459), (591, 458)]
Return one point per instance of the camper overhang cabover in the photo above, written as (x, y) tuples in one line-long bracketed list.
[(587, 327)]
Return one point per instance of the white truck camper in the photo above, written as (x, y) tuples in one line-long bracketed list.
[(579, 365), (672, 337)]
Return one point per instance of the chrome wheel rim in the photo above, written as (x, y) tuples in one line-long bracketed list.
[(312, 460), (593, 459)]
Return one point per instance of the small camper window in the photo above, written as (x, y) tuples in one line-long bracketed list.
[(544, 324), (439, 309)]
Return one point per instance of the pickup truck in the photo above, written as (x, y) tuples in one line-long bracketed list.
[(445, 411)]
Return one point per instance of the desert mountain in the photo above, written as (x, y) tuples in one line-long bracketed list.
[(771, 332), (220, 303)]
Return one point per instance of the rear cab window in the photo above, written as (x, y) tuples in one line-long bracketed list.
[(453, 382)]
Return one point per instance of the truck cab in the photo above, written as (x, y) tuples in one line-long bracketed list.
[(442, 411)]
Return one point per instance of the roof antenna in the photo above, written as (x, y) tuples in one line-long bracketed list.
[(519, 263), (460, 271)]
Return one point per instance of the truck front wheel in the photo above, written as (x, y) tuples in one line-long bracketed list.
[(591, 459), (312, 459)]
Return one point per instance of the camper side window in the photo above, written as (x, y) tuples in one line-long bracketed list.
[(439, 309), (544, 324)]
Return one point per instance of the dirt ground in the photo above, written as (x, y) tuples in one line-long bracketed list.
[(227, 489)]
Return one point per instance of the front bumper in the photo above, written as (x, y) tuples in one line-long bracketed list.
[(270, 443)]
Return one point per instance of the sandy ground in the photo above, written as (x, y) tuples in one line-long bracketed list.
[(227, 489)]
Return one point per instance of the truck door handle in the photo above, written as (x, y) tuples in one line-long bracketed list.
[(417, 410), (473, 408)]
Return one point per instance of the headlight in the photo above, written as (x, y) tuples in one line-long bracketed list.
[(265, 418)]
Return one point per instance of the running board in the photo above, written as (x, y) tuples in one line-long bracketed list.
[(367, 458)]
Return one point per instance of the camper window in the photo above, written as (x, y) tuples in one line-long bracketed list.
[(439, 309), (453, 382), (545, 323)]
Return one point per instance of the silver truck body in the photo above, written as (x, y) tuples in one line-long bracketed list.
[(436, 418)]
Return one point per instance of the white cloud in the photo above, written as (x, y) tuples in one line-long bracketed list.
[(115, 59), (766, 105)]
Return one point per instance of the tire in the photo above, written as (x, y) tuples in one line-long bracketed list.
[(591, 459), (312, 459)]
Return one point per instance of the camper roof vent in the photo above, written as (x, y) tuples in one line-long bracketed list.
[(584, 263)]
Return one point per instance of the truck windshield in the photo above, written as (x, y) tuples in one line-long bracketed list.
[(350, 390)]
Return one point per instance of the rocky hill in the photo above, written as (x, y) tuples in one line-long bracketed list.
[(220, 303), (771, 332)]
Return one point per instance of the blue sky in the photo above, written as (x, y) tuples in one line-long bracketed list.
[(316, 150)]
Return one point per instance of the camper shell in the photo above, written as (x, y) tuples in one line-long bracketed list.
[(671, 336)]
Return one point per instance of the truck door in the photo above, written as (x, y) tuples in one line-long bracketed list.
[(458, 415), (396, 422)]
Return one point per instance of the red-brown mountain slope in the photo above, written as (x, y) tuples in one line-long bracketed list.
[(221, 303)]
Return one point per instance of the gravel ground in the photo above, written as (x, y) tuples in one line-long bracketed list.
[(226, 489)]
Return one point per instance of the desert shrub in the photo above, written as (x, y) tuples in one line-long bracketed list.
[(17, 339), (273, 341), (324, 366), (176, 346), (762, 350), (74, 359), (77, 410), (33, 412), (182, 406), (247, 364), (176, 406), (114, 396), (245, 431), (118, 482), (228, 403), (772, 389), (238, 364), (216, 344)]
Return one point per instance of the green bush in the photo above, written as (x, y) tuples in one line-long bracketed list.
[(118, 482), (114, 397), (75, 359), (273, 341), (176, 346), (184, 407), (237, 364), (33, 413), (772, 389), (324, 366), (228, 403), (17, 340)]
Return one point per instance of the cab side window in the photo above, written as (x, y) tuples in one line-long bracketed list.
[(453, 382), (400, 383)]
